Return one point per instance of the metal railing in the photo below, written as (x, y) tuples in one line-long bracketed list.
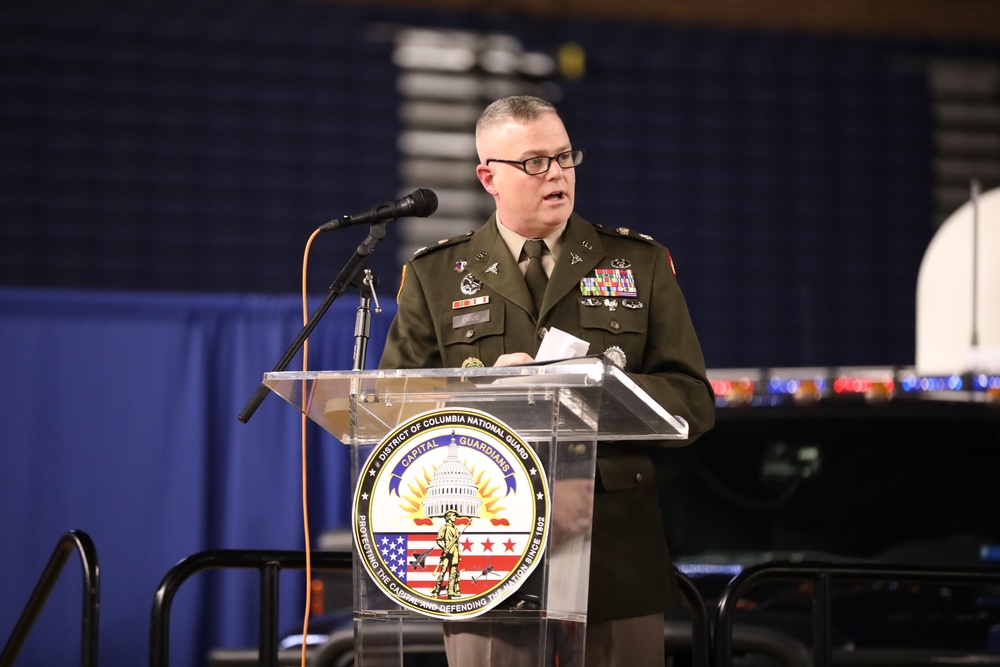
[(70, 541), (268, 564), (821, 574), (701, 653), (709, 645)]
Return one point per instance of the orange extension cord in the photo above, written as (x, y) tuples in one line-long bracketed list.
[(305, 421)]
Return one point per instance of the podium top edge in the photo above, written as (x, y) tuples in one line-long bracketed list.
[(588, 367)]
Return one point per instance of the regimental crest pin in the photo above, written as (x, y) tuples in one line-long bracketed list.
[(470, 285), (451, 513)]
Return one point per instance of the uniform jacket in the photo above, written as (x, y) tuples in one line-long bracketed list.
[(631, 570)]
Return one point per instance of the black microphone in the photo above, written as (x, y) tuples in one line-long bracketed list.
[(420, 204)]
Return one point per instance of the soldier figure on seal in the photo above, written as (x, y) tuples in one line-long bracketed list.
[(447, 539)]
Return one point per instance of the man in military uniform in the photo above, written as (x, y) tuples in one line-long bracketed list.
[(466, 302)]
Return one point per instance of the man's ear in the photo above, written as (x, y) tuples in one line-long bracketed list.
[(485, 175)]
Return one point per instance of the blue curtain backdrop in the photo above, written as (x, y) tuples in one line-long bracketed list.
[(119, 419)]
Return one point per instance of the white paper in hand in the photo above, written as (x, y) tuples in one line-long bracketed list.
[(560, 345)]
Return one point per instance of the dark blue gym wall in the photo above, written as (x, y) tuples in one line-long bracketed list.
[(789, 175), (194, 146)]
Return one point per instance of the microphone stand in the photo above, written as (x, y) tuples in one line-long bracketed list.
[(363, 320), (346, 277)]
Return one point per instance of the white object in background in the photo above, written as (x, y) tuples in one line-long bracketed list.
[(948, 298)]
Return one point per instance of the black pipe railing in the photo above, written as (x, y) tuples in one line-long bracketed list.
[(700, 627), (70, 541), (822, 575), (269, 565)]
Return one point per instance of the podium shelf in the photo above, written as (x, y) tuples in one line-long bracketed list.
[(361, 407)]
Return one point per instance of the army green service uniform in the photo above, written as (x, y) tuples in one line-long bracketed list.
[(465, 299)]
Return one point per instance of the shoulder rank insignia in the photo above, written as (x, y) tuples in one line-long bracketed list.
[(442, 244), (625, 232)]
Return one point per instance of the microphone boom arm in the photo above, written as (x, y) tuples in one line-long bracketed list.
[(339, 285)]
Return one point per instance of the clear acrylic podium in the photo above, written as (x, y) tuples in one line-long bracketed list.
[(561, 410)]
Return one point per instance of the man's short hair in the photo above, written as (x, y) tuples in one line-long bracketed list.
[(521, 108)]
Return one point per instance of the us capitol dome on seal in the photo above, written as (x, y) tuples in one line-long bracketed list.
[(452, 487)]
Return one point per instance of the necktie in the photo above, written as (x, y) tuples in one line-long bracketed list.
[(535, 274)]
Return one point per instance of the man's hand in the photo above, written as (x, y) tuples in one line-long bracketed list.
[(572, 510), (513, 359)]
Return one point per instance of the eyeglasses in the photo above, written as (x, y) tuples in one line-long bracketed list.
[(541, 164)]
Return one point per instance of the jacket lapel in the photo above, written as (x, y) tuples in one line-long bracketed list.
[(492, 264), (581, 252)]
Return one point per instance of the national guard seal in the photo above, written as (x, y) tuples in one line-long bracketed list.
[(451, 513)]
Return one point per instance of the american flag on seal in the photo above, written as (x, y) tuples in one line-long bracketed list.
[(486, 559)]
